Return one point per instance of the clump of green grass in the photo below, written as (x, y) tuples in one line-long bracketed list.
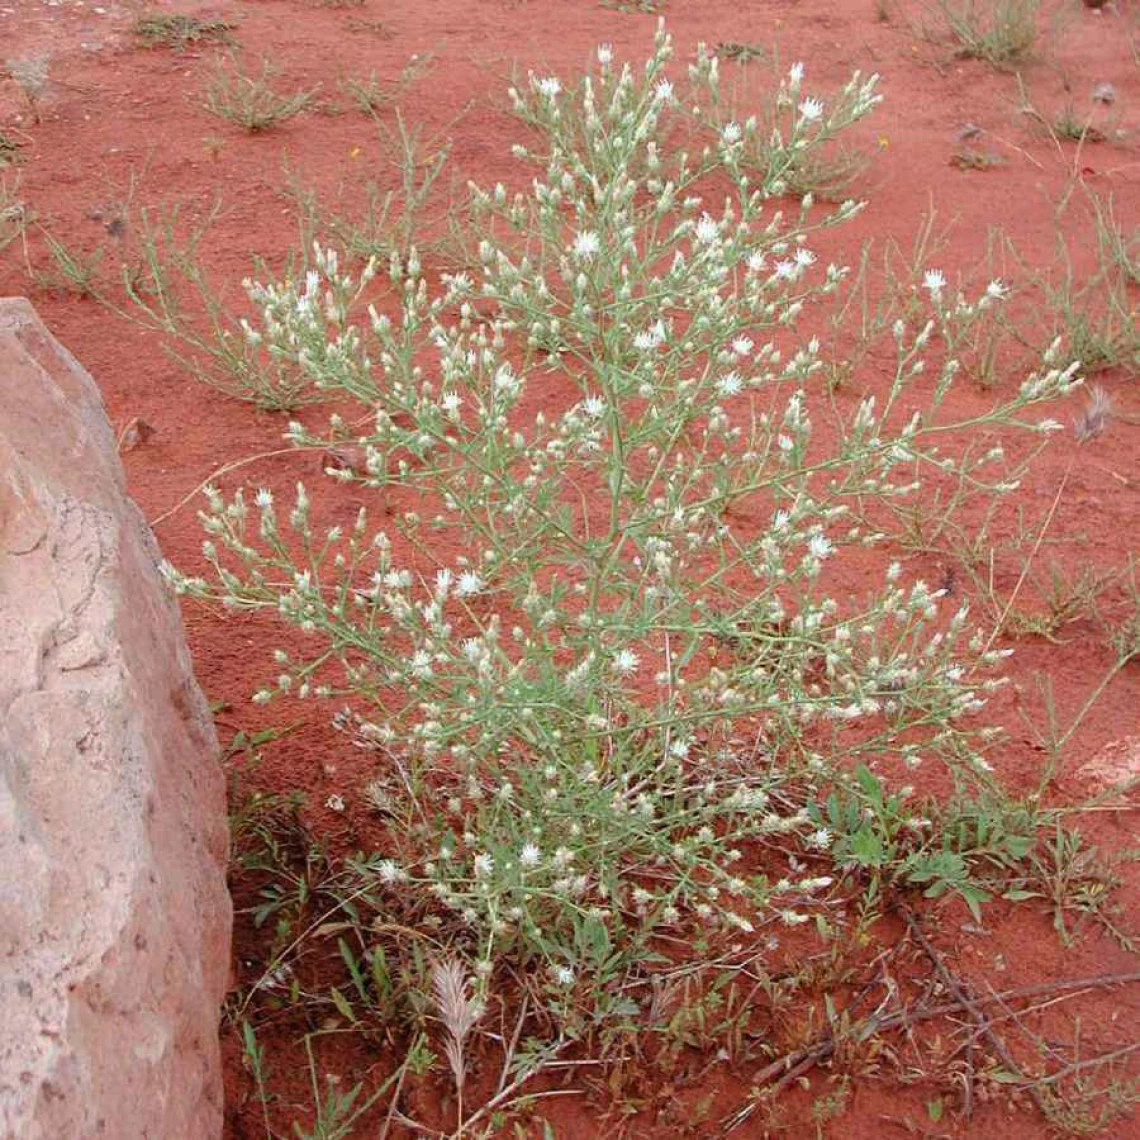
[(1067, 124), (170, 292), (371, 94), (250, 101), (1100, 338), (391, 220), (73, 271), (1000, 32), (1092, 310), (1064, 124), (826, 175), (1118, 248), (1066, 598), (1096, 314), (178, 31)]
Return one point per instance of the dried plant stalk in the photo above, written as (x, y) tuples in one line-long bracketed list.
[(458, 1012), (1095, 416)]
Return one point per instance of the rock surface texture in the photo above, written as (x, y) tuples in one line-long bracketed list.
[(1116, 765), (114, 916)]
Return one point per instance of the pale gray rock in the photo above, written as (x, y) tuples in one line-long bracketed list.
[(114, 915), (1115, 766)]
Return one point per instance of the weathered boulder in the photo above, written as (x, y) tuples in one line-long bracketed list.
[(114, 916)]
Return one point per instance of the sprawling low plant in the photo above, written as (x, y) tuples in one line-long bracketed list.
[(617, 634)]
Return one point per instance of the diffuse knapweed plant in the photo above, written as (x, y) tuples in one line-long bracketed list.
[(604, 647), (793, 144)]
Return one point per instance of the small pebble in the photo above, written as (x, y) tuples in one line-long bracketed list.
[(1104, 93)]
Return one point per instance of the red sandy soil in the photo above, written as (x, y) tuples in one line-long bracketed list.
[(123, 123)]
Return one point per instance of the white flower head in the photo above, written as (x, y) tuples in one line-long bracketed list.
[(819, 546), (729, 384), (796, 74), (605, 54), (731, 133), (663, 92), (586, 245), (997, 289), (625, 662), (548, 86), (390, 871), (506, 381), (264, 498), (742, 346), (811, 110), (650, 338), (469, 583), (530, 855), (564, 976), (707, 230), (484, 865), (935, 281)]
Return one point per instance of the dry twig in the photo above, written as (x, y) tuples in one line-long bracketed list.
[(967, 1001), (795, 1064)]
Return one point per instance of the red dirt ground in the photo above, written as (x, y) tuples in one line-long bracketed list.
[(120, 122)]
